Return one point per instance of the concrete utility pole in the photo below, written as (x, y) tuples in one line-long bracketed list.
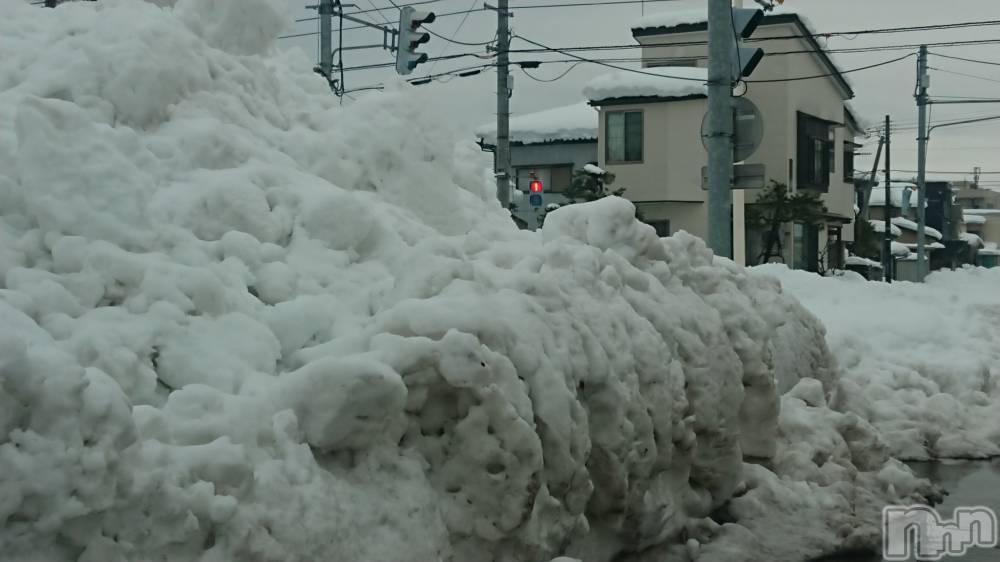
[(923, 80), (502, 156), (326, 38), (721, 43), (887, 241), (739, 203)]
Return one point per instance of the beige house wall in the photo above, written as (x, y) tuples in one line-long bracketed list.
[(673, 154)]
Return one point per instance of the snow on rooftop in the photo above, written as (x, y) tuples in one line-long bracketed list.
[(667, 82), (970, 218), (879, 226), (972, 239), (858, 260), (898, 191), (677, 13), (898, 250), (906, 223), (931, 246), (566, 123), (981, 212), (595, 170)]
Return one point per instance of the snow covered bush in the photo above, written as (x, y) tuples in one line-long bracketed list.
[(239, 322)]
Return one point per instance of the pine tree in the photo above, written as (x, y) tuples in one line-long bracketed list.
[(774, 207)]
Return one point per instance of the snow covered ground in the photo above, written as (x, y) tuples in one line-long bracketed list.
[(921, 362), (241, 322)]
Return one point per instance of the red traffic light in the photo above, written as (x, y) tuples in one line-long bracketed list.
[(535, 186)]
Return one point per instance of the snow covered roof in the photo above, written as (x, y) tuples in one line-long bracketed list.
[(983, 212), (931, 246), (592, 169), (971, 238), (912, 226), (897, 191), (858, 260), (678, 13), (567, 123), (879, 227), (973, 219), (898, 250), (989, 252), (668, 82), (860, 119)]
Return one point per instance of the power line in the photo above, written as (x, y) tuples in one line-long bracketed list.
[(964, 74), (563, 74), (993, 63), (389, 64), (582, 4), (444, 48), (967, 172), (860, 68), (584, 59)]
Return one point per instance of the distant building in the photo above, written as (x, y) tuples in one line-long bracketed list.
[(549, 146)]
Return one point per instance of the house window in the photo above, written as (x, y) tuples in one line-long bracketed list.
[(849, 161), (814, 153), (662, 227), (623, 131)]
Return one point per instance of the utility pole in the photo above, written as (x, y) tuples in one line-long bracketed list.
[(739, 204), (326, 38), (502, 155), (721, 43), (887, 207), (922, 82)]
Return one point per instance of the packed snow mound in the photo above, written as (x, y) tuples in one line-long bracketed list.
[(920, 361), (240, 322)]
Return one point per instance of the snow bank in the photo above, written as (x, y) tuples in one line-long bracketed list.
[(920, 361), (969, 218), (237, 322), (571, 122), (670, 82)]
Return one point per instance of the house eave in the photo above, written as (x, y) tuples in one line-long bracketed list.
[(640, 100)]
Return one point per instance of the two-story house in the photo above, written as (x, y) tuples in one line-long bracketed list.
[(650, 131)]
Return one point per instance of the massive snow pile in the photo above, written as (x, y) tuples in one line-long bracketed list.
[(920, 361), (238, 322)]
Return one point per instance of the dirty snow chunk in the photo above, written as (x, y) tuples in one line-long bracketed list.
[(912, 226), (879, 227), (571, 122), (670, 82)]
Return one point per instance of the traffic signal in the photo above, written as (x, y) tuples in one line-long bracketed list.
[(535, 188), (407, 58), (745, 59)]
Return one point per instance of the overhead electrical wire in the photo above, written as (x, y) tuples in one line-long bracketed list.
[(977, 61), (563, 74), (964, 74)]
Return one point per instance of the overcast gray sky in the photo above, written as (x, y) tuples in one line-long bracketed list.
[(463, 103)]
